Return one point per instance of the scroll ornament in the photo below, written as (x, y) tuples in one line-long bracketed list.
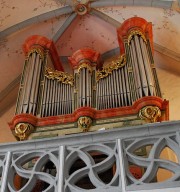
[(85, 65), (59, 76), (150, 113), (84, 123), (36, 50), (107, 70), (23, 130)]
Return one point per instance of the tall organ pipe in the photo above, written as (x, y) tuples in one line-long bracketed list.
[(147, 67), (30, 82)]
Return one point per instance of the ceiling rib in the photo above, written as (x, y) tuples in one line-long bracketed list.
[(147, 3), (65, 25), (36, 19), (105, 17)]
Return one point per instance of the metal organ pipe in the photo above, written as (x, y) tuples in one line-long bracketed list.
[(131, 75), (142, 72), (136, 69), (85, 87), (57, 98), (30, 83), (147, 67)]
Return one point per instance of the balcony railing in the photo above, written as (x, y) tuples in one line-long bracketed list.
[(116, 160)]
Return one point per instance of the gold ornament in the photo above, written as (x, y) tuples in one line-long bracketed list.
[(59, 76), (84, 123), (136, 32), (37, 50), (150, 113), (23, 130), (85, 65), (107, 70)]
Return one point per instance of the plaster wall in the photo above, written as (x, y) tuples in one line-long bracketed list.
[(170, 88), (5, 132)]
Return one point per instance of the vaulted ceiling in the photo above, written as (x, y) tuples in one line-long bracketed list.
[(73, 24)]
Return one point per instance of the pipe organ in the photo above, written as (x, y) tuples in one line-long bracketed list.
[(93, 91)]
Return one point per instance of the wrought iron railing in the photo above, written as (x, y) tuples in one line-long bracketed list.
[(125, 159)]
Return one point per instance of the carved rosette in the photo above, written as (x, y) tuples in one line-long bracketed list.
[(150, 113), (84, 123), (23, 130)]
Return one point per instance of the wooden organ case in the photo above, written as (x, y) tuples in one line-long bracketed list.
[(124, 92)]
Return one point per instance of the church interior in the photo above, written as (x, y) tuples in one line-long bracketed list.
[(70, 68)]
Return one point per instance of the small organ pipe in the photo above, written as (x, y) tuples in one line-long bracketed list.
[(56, 98), (87, 87), (80, 88), (114, 89), (118, 87), (42, 113), (121, 88), (127, 85), (84, 88), (59, 98), (124, 93), (90, 89), (53, 98), (111, 92)]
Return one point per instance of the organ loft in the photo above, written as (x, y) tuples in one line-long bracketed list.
[(97, 95)]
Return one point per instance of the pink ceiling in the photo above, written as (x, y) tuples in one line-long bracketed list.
[(87, 31)]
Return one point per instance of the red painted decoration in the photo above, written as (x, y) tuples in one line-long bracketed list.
[(82, 55), (93, 113), (133, 24), (46, 44)]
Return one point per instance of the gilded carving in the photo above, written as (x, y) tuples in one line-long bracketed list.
[(23, 130), (136, 32), (37, 50), (59, 76), (84, 123), (150, 113), (85, 65), (107, 70)]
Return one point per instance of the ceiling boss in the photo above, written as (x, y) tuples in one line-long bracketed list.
[(82, 7)]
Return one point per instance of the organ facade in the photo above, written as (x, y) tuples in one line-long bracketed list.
[(97, 95)]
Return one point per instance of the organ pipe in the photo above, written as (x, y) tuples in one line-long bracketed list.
[(84, 85), (30, 83), (57, 95)]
